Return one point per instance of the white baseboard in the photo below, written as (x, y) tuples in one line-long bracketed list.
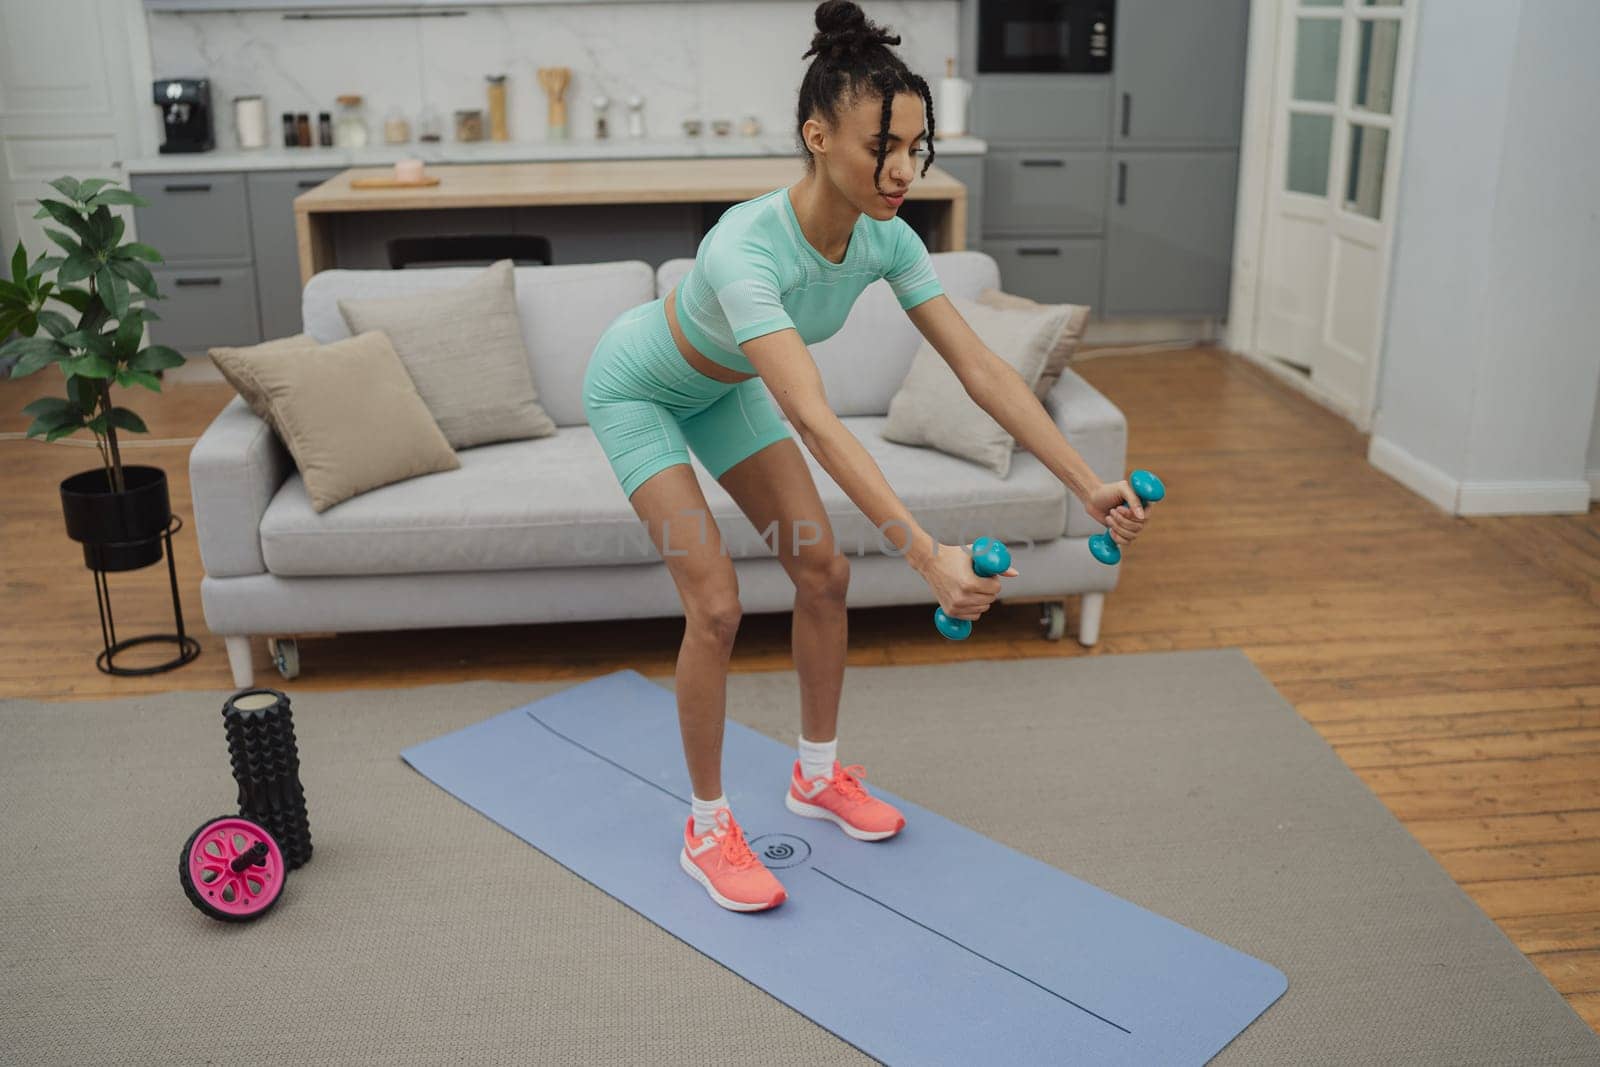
[(1424, 479), (1150, 331), (1298, 381), (1478, 498), (1523, 498), (196, 369)]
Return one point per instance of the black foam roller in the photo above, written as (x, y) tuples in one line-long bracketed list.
[(266, 764)]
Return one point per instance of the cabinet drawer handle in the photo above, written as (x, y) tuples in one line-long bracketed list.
[(1127, 112), (213, 280), (1044, 162), (193, 187), (1038, 251), (1122, 183)]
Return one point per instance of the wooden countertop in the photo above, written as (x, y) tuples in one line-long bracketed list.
[(634, 181)]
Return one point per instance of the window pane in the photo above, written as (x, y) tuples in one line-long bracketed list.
[(1369, 151), (1321, 3), (1384, 3), (1310, 143), (1380, 45), (1316, 59)]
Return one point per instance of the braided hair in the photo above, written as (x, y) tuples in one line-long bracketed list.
[(854, 61)]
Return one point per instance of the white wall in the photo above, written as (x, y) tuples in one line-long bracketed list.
[(1594, 451), (722, 59), (1491, 364)]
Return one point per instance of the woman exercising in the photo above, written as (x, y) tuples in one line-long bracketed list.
[(685, 372)]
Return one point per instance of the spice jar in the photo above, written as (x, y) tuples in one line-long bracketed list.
[(469, 124), (396, 127), (498, 130), (351, 129), (429, 125)]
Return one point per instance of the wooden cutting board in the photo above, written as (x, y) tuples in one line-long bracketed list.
[(391, 183)]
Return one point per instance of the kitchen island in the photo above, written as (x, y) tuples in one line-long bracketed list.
[(334, 216)]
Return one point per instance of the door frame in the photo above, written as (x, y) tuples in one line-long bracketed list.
[(124, 65), (1256, 148)]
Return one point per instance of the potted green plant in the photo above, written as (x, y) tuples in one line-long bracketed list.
[(117, 511)]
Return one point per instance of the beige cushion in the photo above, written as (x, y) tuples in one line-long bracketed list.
[(229, 361), (347, 412), (1065, 342), (463, 348), (932, 408)]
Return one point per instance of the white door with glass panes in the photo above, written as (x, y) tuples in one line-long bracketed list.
[(1337, 118)]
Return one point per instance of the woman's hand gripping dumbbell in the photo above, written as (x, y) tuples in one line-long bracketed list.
[(967, 584), (1106, 506)]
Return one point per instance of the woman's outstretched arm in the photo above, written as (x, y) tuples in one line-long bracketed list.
[(791, 376), (996, 387)]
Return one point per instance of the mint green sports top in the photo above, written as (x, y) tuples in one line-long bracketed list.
[(755, 273)]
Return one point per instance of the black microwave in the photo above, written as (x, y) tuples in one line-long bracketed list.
[(1045, 36)]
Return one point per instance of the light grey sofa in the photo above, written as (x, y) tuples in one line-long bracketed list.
[(539, 531)]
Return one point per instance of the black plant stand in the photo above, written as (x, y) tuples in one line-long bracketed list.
[(188, 647)]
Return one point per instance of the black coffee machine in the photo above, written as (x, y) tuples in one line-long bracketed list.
[(185, 114)]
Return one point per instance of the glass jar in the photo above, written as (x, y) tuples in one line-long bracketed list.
[(396, 127), (469, 125), (429, 126), (350, 129)]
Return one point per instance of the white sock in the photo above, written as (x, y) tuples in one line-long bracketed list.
[(705, 813), (816, 757)]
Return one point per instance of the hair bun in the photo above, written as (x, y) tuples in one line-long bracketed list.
[(843, 28)]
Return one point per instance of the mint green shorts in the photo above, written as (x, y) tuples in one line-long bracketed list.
[(649, 408)]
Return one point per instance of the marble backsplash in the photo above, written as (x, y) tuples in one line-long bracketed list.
[(705, 60)]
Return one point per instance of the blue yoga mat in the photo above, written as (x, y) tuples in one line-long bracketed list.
[(935, 946)]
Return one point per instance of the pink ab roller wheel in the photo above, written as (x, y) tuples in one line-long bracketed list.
[(232, 869)]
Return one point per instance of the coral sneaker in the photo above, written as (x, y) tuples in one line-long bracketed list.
[(724, 864), (843, 800)]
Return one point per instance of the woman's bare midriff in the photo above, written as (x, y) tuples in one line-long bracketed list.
[(690, 354)]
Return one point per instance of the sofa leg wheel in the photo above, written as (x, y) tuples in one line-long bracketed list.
[(1089, 618), (285, 653), (244, 671), (1053, 620)]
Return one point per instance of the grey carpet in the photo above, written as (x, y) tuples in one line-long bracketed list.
[(420, 932)]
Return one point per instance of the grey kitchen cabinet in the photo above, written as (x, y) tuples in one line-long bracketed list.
[(194, 218), (277, 254), (200, 224), (1179, 72), (1050, 108), (1169, 233), (1040, 191), (968, 170), (205, 306), (1051, 270)]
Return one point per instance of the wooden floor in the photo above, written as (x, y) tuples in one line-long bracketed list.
[(1453, 663)]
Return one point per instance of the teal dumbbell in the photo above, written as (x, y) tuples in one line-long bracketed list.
[(1148, 488), (989, 558)]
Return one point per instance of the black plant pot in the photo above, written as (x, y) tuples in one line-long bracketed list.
[(123, 532), (119, 531)]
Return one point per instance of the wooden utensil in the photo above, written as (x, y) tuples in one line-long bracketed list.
[(554, 81)]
